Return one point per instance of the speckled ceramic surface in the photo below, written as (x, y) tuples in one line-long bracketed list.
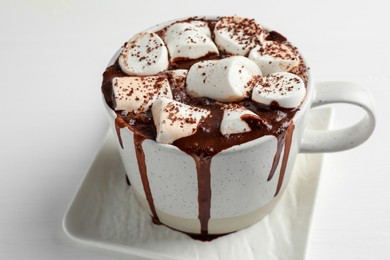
[(106, 214)]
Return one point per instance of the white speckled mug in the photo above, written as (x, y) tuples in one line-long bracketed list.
[(242, 192)]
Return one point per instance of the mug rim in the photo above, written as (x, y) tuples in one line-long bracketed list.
[(243, 146)]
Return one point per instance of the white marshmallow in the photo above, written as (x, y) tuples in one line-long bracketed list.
[(237, 35), (201, 26), (174, 120), (274, 57), (226, 80), (189, 41), (136, 94), (144, 54), (232, 122), (287, 89)]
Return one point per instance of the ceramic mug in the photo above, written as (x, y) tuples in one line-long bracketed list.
[(242, 190)]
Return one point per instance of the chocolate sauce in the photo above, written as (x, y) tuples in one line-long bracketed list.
[(207, 140), (275, 36), (127, 180), (204, 191), (138, 139), (287, 147), (187, 63), (119, 123), (275, 163), (139, 151)]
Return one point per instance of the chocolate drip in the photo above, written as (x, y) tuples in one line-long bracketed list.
[(287, 147), (204, 191), (127, 180), (276, 160), (138, 140), (285, 142), (119, 123)]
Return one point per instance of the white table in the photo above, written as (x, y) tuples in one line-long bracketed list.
[(52, 55)]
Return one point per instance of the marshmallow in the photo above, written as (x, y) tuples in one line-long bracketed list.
[(232, 122), (136, 94), (189, 41), (174, 120), (274, 57), (201, 26), (287, 89), (144, 54), (237, 35), (226, 80)]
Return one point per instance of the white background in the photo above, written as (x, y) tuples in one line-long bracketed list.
[(52, 55)]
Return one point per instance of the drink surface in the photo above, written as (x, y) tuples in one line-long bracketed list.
[(267, 117)]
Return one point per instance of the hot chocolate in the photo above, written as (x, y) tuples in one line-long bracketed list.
[(205, 85)]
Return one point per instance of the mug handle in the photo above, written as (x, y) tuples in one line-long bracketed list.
[(317, 141)]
